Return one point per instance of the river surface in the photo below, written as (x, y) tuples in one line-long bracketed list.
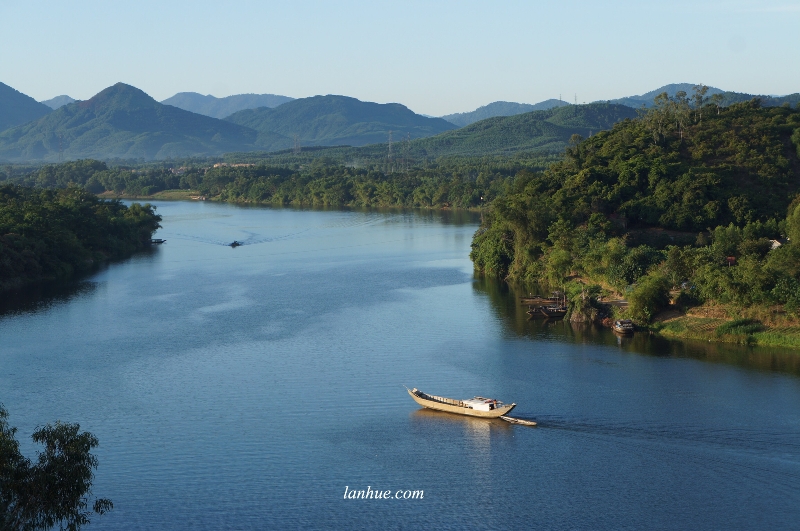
[(247, 388)]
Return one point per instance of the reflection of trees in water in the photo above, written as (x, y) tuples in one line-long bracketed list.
[(43, 296), (504, 300)]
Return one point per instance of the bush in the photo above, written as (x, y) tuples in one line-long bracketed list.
[(649, 296)]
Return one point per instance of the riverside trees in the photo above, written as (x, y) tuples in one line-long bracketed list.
[(698, 203), (48, 234)]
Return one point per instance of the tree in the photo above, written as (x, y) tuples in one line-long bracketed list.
[(55, 490), (699, 98), (717, 99)]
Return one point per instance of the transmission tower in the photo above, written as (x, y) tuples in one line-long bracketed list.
[(296, 144), (60, 148), (389, 156)]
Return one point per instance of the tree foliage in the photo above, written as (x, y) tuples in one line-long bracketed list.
[(56, 233), (56, 489), (687, 196)]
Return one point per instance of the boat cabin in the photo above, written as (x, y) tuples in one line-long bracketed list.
[(480, 403)]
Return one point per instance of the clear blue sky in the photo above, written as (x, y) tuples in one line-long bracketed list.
[(436, 57)]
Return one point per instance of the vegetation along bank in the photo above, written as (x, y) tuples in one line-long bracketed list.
[(690, 212), (50, 234)]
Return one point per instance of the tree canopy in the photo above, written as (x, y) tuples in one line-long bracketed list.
[(55, 490)]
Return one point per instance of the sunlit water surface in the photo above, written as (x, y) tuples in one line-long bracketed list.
[(246, 388)]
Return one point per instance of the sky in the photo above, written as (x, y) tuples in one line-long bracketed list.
[(436, 57)]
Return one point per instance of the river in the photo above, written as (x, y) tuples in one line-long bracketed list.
[(247, 388)]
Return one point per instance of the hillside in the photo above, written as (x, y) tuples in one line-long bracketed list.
[(222, 107), (16, 108), (500, 108), (542, 131), (728, 97), (678, 211), (335, 121), (122, 122), (59, 101), (738, 168)]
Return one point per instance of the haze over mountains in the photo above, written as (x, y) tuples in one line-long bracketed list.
[(222, 107), (58, 101), (124, 122), (500, 108)]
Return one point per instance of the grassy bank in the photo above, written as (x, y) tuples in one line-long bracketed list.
[(727, 324), (164, 195)]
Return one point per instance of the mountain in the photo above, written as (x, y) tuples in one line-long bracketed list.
[(122, 122), (222, 107), (542, 131), (728, 97), (335, 121), (500, 108), (16, 108), (58, 101)]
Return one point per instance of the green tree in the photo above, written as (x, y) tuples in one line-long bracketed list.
[(54, 491)]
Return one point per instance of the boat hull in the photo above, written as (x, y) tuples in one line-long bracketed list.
[(438, 405)]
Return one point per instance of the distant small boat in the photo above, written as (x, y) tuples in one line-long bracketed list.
[(473, 407), (157, 240), (623, 326), (235, 244), (514, 420)]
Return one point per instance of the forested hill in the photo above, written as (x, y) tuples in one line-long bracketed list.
[(674, 196), (47, 234), (335, 121), (16, 108), (726, 97), (500, 108), (539, 131), (221, 107), (124, 122)]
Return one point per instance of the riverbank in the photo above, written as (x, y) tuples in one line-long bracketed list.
[(767, 327), (164, 195)]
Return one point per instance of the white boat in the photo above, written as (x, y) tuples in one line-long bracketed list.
[(474, 407)]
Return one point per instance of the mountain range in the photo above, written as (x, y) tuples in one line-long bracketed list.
[(546, 131), (336, 121), (124, 122), (222, 107), (500, 108)]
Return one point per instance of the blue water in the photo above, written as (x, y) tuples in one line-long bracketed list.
[(246, 388)]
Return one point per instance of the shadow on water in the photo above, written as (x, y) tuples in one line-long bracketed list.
[(41, 297), (44, 295), (505, 301)]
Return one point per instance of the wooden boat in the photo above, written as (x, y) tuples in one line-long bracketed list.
[(554, 312), (157, 240), (235, 244), (514, 420), (534, 311), (623, 326), (473, 407)]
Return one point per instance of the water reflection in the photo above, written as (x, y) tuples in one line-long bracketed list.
[(504, 299), (41, 297)]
